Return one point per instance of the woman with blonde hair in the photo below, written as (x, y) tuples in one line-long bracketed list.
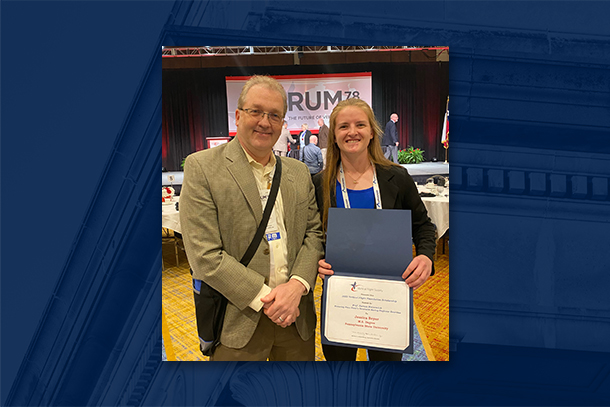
[(357, 175)]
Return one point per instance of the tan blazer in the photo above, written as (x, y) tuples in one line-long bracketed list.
[(220, 209), (282, 143)]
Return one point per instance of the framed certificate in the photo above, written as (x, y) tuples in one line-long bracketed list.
[(366, 303), (369, 313)]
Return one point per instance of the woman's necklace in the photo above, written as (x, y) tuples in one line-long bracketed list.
[(355, 180), (344, 188)]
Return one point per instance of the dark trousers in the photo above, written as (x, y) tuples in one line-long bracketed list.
[(294, 154), (270, 341), (343, 353), (392, 151)]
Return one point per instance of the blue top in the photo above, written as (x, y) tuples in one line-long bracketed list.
[(364, 198)]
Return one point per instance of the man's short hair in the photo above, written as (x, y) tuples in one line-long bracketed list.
[(313, 139), (267, 82)]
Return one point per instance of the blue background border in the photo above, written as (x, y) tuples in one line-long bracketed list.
[(80, 281)]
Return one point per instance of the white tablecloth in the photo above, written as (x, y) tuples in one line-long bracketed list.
[(170, 218), (437, 207), (438, 210)]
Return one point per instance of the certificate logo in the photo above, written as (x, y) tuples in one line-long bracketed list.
[(354, 286)]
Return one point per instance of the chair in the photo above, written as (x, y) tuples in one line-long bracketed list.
[(440, 240), (174, 238), (445, 240), (178, 244), (440, 180)]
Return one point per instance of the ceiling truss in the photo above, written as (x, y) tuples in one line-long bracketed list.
[(169, 52)]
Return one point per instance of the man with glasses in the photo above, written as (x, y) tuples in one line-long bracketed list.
[(270, 312)]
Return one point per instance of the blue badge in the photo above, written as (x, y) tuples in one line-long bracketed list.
[(272, 236)]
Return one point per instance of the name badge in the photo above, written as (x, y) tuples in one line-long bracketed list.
[(273, 236)]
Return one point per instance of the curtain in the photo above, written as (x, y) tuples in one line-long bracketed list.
[(195, 103)]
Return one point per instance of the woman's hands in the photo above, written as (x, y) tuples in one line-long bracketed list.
[(418, 271), (324, 269), (415, 275)]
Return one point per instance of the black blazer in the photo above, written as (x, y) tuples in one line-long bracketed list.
[(390, 136), (307, 137), (398, 191)]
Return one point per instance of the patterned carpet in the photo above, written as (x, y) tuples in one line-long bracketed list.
[(178, 307), (431, 302), (431, 316)]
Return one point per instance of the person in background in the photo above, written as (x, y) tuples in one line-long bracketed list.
[(304, 136), (312, 156), (281, 146), (270, 311), (294, 146), (354, 159), (322, 138), (390, 139)]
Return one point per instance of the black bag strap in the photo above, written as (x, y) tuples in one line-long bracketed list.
[(245, 260), (219, 315)]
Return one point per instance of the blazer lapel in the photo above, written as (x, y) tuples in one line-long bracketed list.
[(239, 168), (389, 191)]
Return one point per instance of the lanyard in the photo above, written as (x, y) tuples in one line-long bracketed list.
[(375, 188)]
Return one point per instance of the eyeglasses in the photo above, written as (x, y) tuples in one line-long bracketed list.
[(259, 114)]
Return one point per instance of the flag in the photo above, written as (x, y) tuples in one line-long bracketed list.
[(445, 134)]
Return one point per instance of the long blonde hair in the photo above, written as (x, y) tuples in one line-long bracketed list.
[(333, 154)]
